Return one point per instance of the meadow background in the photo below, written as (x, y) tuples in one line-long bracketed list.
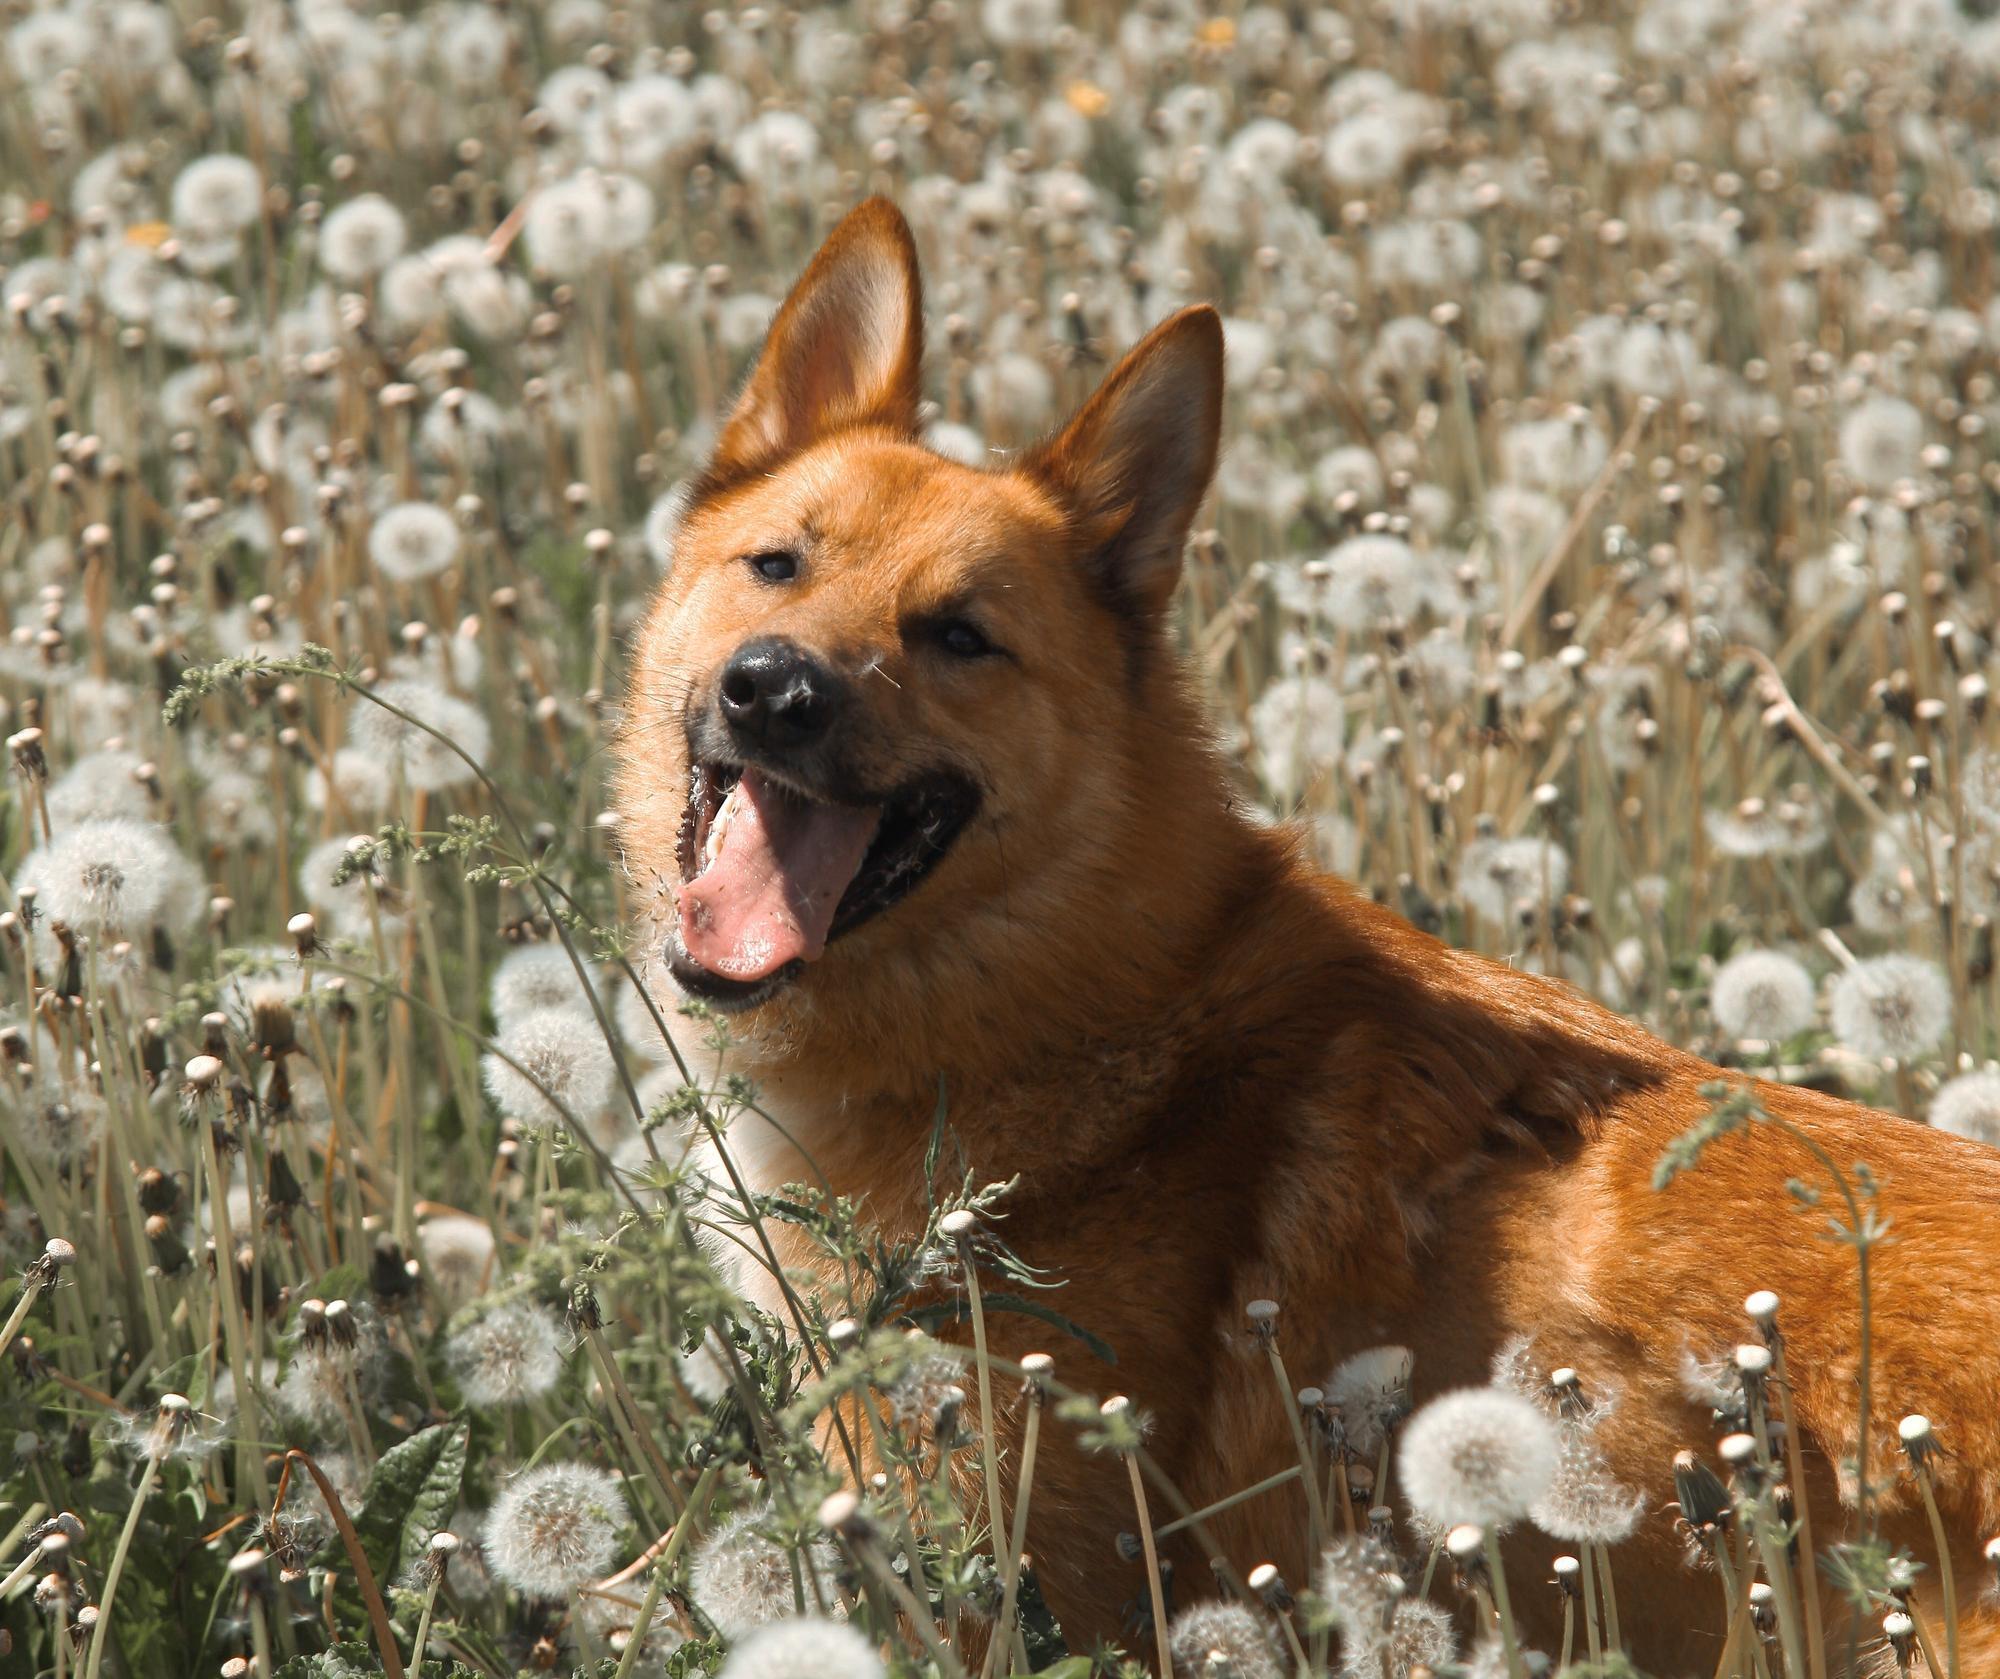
[(1600, 567)]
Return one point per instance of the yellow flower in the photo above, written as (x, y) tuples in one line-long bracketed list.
[(1087, 98)]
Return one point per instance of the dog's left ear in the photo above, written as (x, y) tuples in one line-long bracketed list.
[(1135, 462), (845, 349)]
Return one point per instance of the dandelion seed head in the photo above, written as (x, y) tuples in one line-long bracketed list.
[(360, 238), (1891, 1006), (558, 1050), (806, 1648), (1763, 995), (1229, 1630), (537, 976), (553, 1528), (413, 541), (1371, 1391), (1479, 1455), (426, 762), (107, 879), (507, 1356), (741, 1577), (1969, 1106)]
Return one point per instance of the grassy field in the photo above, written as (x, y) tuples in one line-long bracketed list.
[(1601, 567)]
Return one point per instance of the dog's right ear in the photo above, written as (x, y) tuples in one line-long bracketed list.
[(1134, 464), (845, 349)]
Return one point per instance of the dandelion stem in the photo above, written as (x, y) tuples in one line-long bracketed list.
[(30, 1290), (1153, 1582), (1926, 1483), (995, 1517), (1167, 1529), (1593, 1638), (1612, 1638), (1010, 1567), (116, 1571), (1796, 1470), (1503, 1610)]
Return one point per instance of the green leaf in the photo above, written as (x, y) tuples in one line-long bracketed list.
[(412, 1495)]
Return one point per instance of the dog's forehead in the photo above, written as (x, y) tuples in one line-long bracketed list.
[(897, 506)]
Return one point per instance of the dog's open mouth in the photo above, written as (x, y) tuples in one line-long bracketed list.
[(770, 875)]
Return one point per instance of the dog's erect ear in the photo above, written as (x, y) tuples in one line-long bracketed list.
[(845, 349), (1135, 462)]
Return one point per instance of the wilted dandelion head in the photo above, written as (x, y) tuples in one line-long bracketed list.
[(1371, 1391), (107, 879), (413, 541), (557, 1050), (426, 763), (507, 1356), (1479, 1455), (553, 1528), (1893, 1005), (56, 1123), (741, 1577), (1969, 1106), (1228, 1630), (805, 1648), (532, 977), (1764, 995)]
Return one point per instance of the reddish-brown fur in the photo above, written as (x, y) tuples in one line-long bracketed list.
[(1219, 1073)]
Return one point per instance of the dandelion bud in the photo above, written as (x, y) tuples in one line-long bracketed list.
[(1901, 1633), (201, 1074), (1992, 1555), (1763, 1606), (1919, 1442), (1465, 1544), (341, 1329), (1753, 1365), (1263, 1317), (29, 758), (1703, 1499), (312, 1330), (1762, 1309), (169, 1424), (57, 1256), (841, 1513), (1569, 1578), (437, 1555), (305, 935), (246, 1568), (958, 1225), (1037, 1371), (1269, 1584), (842, 1333)]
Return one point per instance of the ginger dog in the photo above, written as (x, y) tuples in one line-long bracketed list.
[(927, 796)]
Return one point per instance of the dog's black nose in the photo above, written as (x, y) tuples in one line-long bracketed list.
[(774, 694)]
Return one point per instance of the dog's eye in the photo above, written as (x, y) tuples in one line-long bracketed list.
[(777, 566), (963, 639)]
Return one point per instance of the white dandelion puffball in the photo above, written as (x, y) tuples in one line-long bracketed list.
[(106, 879), (1227, 1630), (426, 762), (1371, 1391), (457, 1254), (1969, 1106), (217, 196), (806, 1648), (1888, 1006), (558, 1050), (1881, 441), (509, 1356), (1479, 1455), (361, 238), (742, 1578), (413, 541), (554, 1528), (1496, 877), (536, 976), (1764, 995), (97, 787)]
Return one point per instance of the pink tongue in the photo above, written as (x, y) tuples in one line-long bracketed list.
[(769, 896)]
